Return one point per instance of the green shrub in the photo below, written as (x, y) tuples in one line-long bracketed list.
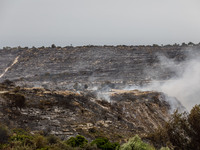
[(136, 143), (21, 136), (39, 142), (60, 145), (91, 147), (180, 132), (78, 141), (104, 144), (21, 147), (4, 134), (20, 131), (52, 139), (194, 121)]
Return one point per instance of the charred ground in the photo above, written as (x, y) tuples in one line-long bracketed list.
[(59, 89), (61, 68)]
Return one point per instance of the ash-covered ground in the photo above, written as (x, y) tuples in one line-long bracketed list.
[(90, 90), (63, 67)]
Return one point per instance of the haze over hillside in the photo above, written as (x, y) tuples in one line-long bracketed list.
[(169, 69)]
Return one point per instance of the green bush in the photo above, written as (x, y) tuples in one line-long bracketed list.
[(60, 146), (78, 141), (4, 134), (180, 132), (52, 139), (21, 136), (104, 144), (136, 143), (40, 142), (24, 139), (194, 122)]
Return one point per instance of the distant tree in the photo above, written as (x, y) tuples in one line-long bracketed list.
[(42, 47), (155, 45), (53, 46), (190, 43), (183, 44), (6, 48), (176, 44), (34, 48)]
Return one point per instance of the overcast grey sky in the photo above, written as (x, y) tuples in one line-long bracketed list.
[(98, 22)]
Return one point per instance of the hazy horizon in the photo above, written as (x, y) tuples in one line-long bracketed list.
[(114, 22)]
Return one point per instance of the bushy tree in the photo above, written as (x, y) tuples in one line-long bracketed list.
[(190, 43), (136, 143), (104, 144), (78, 141), (52, 139), (181, 131), (4, 134), (53, 46), (194, 122)]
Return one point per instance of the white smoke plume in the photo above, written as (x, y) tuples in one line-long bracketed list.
[(185, 85)]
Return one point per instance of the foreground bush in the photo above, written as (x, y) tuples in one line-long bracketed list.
[(22, 138), (4, 134), (180, 132), (136, 143), (105, 144), (78, 141), (19, 139)]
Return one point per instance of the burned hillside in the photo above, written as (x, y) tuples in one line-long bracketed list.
[(61, 68), (87, 90), (65, 113)]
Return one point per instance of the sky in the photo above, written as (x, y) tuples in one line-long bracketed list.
[(98, 22)]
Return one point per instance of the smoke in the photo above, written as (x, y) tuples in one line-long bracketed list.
[(185, 83), (102, 90)]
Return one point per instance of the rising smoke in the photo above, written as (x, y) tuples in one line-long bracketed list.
[(185, 84), (182, 82)]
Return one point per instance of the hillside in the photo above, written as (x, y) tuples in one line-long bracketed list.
[(83, 90), (66, 113), (62, 67)]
